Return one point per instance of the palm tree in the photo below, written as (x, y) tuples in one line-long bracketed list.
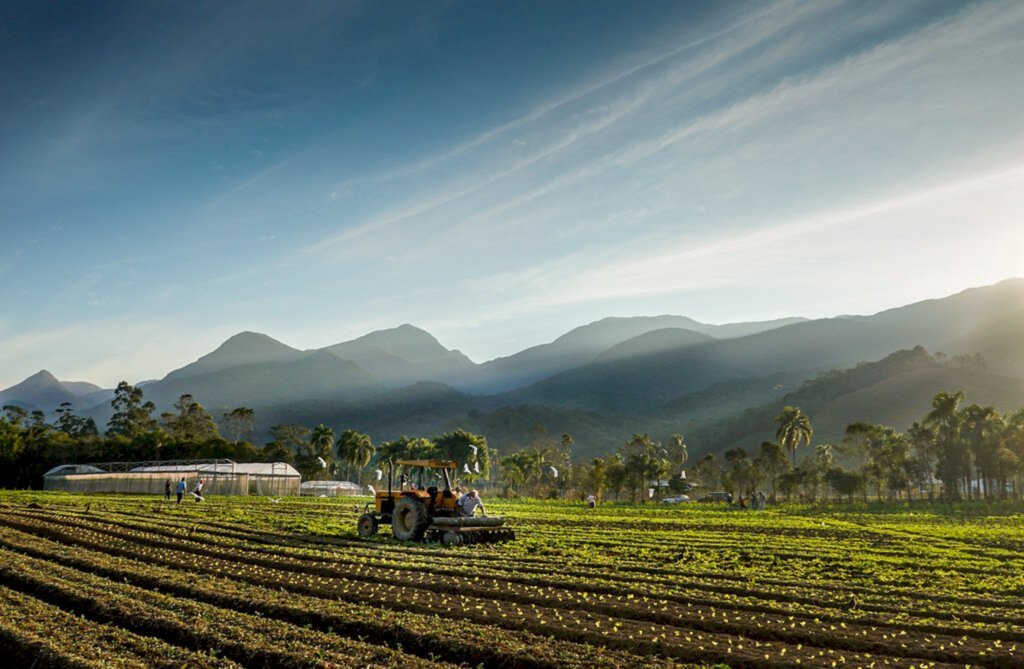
[(794, 429), (953, 458), (983, 428), (322, 442), (355, 450), (678, 451)]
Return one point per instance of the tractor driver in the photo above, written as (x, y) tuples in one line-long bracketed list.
[(469, 502)]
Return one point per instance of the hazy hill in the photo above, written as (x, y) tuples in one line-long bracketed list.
[(81, 388), (244, 348), (895, 391), (41, 391), (728, 398), (422, 409), (429, 409), (583, 344), (977, 320), (650, 343), (315, 376), (405, 355)]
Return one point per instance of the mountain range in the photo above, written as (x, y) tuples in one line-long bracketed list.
[(607, 379)]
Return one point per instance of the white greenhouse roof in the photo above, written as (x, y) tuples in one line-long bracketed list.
[(251, 468), (330, 485), (61, 470)]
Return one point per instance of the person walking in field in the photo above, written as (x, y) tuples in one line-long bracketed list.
[(468, 503), (591, 501), (167, 490), (181, 489), (197, 492)]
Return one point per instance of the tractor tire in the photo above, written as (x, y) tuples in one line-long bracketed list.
[(410, 520), (367, 525)]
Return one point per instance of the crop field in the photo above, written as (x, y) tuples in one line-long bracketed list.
[(121, 581)]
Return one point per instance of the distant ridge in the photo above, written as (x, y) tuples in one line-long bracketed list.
[(582, 345), (601, 381), (243, 348), (404, 355)]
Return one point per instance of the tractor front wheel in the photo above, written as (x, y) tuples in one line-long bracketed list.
[(367, 525), (410, 520)]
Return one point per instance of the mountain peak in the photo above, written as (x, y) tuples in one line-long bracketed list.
[(241, 349), (251, 340), (42, 377), (41, 390)]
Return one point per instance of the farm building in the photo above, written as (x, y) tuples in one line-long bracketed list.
[(220, 477), (330, 488)]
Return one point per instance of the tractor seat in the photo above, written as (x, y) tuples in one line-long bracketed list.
[(432, 490)]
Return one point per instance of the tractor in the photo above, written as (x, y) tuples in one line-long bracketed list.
[(423, 511)]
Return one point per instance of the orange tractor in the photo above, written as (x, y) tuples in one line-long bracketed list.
[(422, 510)]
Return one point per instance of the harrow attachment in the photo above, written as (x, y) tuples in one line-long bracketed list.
[(462, 531)]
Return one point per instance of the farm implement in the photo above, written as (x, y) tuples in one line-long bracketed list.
[(418, 511)]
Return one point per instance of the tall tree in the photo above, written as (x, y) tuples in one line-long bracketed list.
[(982, 428), (321, 448), (355, 449), (645, 461), (192, 423), (794, 429), (954, 460), (466, 448), (73, 425), (132, 417), (678, 452), (772, 460), (741, 472), (239, 423), (596, 477), (708, 472)]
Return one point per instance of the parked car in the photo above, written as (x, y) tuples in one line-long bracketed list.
[(678, 499), (717, 497)]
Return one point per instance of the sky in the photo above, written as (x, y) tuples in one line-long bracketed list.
[(497, 173)]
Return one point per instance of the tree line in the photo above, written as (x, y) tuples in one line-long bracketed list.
[(31, 443), (954, 452)]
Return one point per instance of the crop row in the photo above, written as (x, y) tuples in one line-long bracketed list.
[(412, 631), (674, 628), (581, 587), (35, 633)]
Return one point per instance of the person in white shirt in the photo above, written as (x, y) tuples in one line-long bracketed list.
[(468, 503)]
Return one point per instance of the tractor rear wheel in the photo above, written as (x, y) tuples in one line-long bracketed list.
[(367, 525), (410, 520)]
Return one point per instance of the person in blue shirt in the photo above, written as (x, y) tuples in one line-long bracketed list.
[(181, 489)]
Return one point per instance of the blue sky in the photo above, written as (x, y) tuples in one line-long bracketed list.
[(496, 173)]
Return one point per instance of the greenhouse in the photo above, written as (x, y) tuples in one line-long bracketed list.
[(220, 477), (330, 489)]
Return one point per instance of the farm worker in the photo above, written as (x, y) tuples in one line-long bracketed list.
[(591, 501), (198, 491), (167, 490), (181, 489), (762, 501), (743, 503), (468, 503)]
